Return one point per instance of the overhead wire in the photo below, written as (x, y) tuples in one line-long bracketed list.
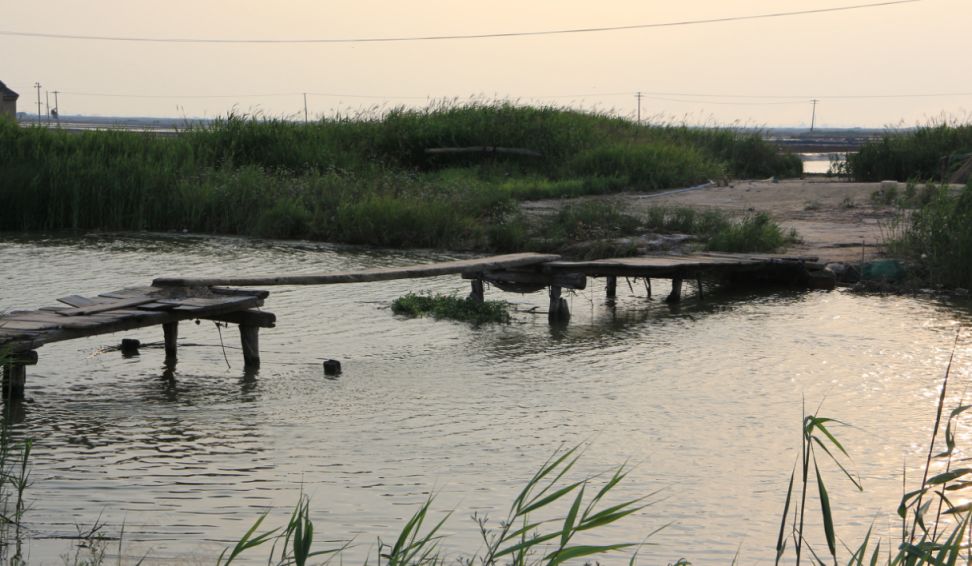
[(702, 98), (493, 35)]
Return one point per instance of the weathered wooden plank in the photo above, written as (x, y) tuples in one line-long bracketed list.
[(76, 301), (104, 307), (236, 292), (156, 306), (130, 292), (53, 309), (36, 325), (116, 321), (194, 303), (566, 280), (262, 319), (656, 266), (11, 333), (379, 274)]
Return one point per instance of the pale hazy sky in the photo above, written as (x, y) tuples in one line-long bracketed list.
[(916, 48)]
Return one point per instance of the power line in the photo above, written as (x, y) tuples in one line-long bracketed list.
[(722, 102), (496, 35), (665, 96), (134, 95)]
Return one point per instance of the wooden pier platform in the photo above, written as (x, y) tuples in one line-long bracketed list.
[(170, 300), (22, 332)]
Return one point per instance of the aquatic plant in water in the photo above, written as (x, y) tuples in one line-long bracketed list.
[(451, 307)]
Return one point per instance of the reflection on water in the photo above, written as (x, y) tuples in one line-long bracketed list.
[(821, 163), (704, 398)]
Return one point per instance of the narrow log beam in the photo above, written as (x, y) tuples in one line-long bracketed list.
[(478, 265)]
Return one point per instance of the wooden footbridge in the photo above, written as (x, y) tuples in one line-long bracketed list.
[(170, 300)]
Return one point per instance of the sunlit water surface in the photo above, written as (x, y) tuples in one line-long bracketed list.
[(703, 401)]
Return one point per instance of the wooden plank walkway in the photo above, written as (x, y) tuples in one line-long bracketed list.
[(23, 331), (170, 300), (365, 275), (667, 266)]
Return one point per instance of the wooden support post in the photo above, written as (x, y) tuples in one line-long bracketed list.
[(171, 332), (250, 340), (612, 286), (477, 295), (559, 311), (648, 287), (698, 284), (676, 295), (14, 380)]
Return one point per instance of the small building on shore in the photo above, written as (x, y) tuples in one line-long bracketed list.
[(8, 101)]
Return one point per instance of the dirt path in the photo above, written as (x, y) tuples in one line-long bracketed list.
[(834, 219)]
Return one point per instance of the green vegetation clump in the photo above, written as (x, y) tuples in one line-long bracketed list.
[(927, 152), (606, 224), (365, 180), (937, 237), (451, 307), (755, 233)]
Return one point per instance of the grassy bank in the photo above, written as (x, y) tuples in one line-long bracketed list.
[(933, 233), (929, 152), (367, 180)]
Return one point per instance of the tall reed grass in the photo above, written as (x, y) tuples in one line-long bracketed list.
[(935, 236), (551, 521), (929, 152), (936, 519), (364, 180), (14, 481)]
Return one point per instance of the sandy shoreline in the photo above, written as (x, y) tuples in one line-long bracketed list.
[(836, 221)]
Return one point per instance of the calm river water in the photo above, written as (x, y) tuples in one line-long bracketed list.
[(704, 401)]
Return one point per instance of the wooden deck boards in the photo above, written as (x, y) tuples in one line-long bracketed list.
[(663, 266), (125, 309)]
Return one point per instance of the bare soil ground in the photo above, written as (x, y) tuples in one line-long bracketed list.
[(835, 220)]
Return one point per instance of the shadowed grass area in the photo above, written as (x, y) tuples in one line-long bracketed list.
[(366, 180), (926, 153), (451, 307), (935, 236)]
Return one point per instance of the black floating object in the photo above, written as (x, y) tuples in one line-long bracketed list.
[(332, 367), (130, 345)]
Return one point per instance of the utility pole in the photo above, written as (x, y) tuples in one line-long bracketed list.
[(38, 87), (639, 96), (813, 116), (305, 107), (57, 108), (47, 105)]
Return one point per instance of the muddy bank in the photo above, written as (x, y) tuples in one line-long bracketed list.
[(836, 221)]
